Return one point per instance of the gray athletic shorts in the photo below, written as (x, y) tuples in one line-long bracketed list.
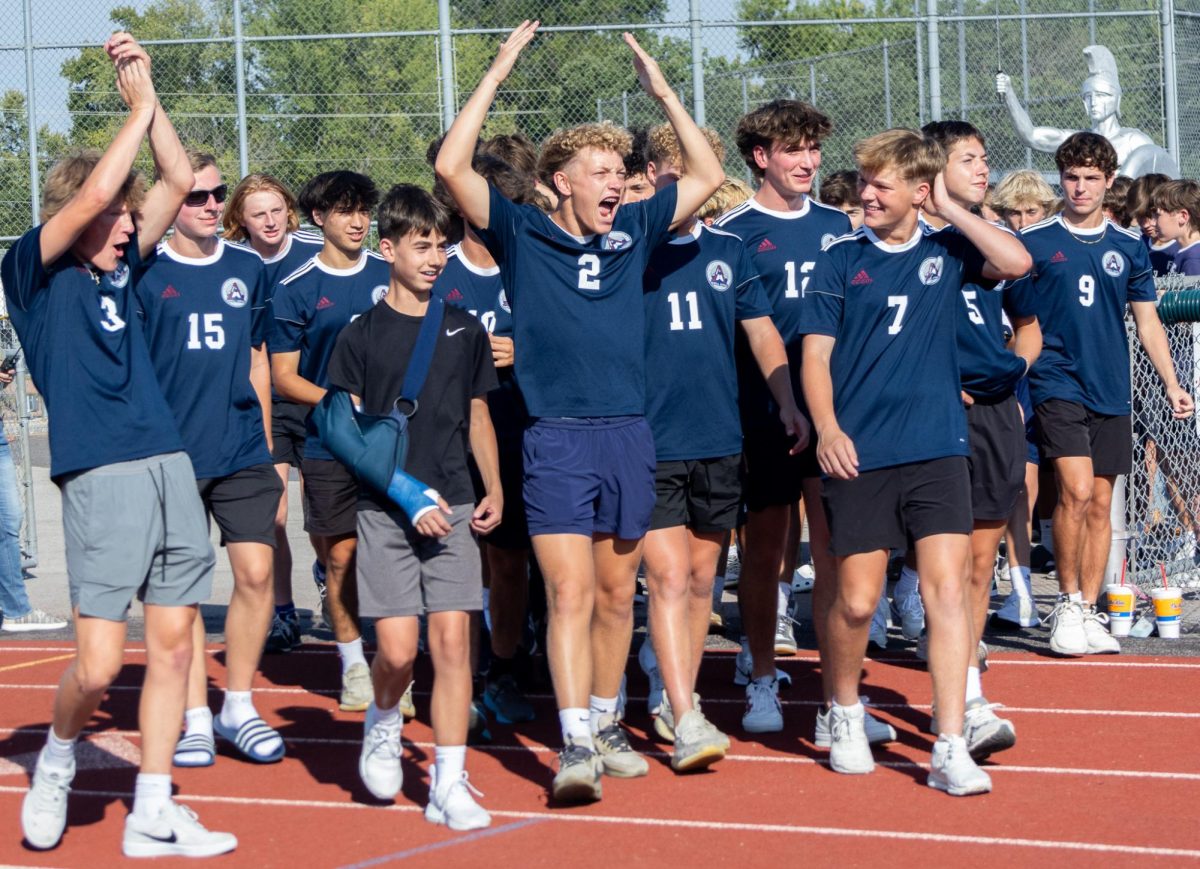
[(404, 573), (136, 528)]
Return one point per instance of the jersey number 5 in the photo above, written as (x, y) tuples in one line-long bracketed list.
[(973, 312), (214, 332), (589, 272)]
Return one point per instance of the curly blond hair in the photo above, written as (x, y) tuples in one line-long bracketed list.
[(662, 146), (69, 174), (1023, 187), (562, 145), (732, 193)]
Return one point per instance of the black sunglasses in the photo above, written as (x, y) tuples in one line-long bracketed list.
[(198, 198)]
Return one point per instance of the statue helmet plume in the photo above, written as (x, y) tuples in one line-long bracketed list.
[(1102, 72)]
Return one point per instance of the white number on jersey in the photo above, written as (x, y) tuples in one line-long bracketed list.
[(487, 319), (973, 312), (693, 312), (900, 303), (1087, 290), (112, 321), (589, 271), (791, 292), (214, 332)]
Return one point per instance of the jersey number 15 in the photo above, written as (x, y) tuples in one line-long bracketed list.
[(214, 332)]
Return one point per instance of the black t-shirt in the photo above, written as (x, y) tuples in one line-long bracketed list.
[(370, 359)]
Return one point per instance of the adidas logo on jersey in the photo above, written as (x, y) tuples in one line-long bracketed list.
[(324, 303), (765, 246), (1059, 257), (455, 295), (170, 292), (861, 279)]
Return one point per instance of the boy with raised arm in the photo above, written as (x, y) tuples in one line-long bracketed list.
[(882, 382), (132, 518), (578, 336)]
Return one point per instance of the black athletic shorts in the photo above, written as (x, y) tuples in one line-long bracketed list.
[(772, 477), (244, 503), (513, 530), (330, 498), (996, 437), (703, 494), (885, 508), (1067, 428), (287, 432)]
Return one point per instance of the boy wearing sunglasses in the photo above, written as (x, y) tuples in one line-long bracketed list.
[(203, 306)]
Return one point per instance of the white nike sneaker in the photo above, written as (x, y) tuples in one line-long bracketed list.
[(175, 832), (849, 750), (952, 770), (44, 809), (1067, 633), (1099, 640), (454, 804)]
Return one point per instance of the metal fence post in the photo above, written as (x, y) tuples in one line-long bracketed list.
[(1091, 22), (745, 97), (1170, 79), (35, 194), (239, 60), (935, 63), (962, 64), (812, 85), (698, 105), (887, 88), (446, 61), (920, 68), (625, 109), (1025, 73)]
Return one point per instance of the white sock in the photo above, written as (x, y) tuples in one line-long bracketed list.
[(198, 720), (351, 653), (785, 593), (1075, 597), (1019, 577), (150, 794), (449, 761), (907, 584), (59, 753), (598, 707), (576, 725), (1047, 527), (974, 689), (237, 709)]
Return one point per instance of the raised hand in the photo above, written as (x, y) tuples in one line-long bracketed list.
[(1003, 83), (510, 50), (938, 202), (134, 82), (649, 75)]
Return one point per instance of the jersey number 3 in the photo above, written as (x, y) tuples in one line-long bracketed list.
[(214, 332)]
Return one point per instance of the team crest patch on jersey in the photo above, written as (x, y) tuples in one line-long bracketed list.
[(617, 240), (1113, 263), (719, 275), (930, 271), (119, 276), (826, 238), (378, 293), (502, 299), (233, 292)]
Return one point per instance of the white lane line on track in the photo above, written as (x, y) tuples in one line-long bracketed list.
[(737, 758), (683, 823)]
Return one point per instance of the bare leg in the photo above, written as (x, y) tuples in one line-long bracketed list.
[(451, 701), (283, 550), (1097, 539), (100, 647), (392, 666), (168, 657), (985, 541), (860, 581), (1075, 486), (825, 578), (249, 615), (508, 570), (1020, 525), (705, 549), (616, 562), (948, 615), (337, 554), (771, 537), (566, 564)]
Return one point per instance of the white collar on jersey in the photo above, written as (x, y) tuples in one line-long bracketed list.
[(342, 273), (693, 235), (1079, 230), (283, 250), (802, 211), (461, 256), (166, 250), (894, 248)]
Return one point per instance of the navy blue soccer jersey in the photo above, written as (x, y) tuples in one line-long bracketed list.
[(1186, 260), (89, 362), (201, 318), (479, 290), (894, 311), (1162, 256), (311, 306), (696, 287), (299, 248), (578, 328), (1080, 284)]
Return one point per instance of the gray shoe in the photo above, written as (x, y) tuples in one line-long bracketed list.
[(698, 744), (985, 731), (407, 707), (664, 724), (34, 620), (616, 754), (357, 690), (578, 776)]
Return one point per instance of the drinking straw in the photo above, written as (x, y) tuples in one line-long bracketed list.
[(1163, 568), (1123, 565)]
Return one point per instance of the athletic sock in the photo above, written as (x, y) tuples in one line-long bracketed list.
[(59, 753), (974, 689), (236, 711), (197, 720), (907, 584), (785, 592), (1047, 527), (151, 794), (576, 725), (598, 707), (351, 653), (449, 761), (1075, 597), (1019, 577)]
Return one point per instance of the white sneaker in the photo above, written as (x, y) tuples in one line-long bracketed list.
[(912, 615), (175, 832), (1067, 634), (44, 810), (764, 714), (34, 620), (877, 731), (985, 731), (879, 624), (785, 638), (803, 579), (1099, 640), (454, 806), (743, 668), (379, 761), (953, 770), (1018, 610), (733, 566), (649, 664), (849, 751)]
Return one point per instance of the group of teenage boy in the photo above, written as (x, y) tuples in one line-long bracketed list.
[(619, 377)]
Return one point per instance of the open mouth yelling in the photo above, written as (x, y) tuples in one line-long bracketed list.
[(608, 207)]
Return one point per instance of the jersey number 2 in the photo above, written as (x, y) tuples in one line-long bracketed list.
[(214, 332), (589, 272)]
